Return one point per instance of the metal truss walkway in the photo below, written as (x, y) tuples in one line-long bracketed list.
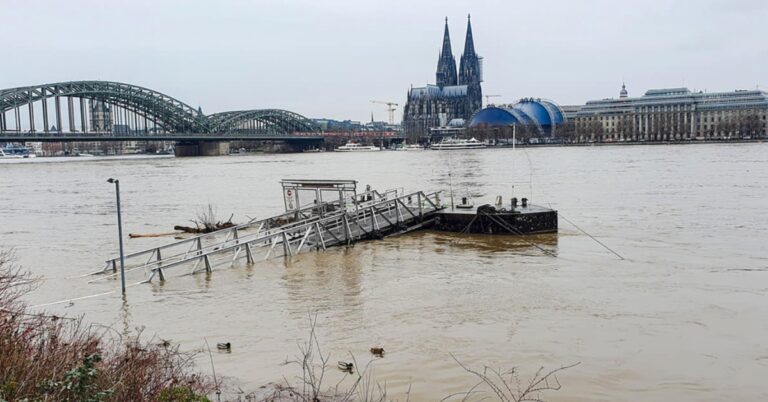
[(370, 215)]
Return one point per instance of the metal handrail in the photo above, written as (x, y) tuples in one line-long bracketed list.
[(286, 235), (232, 233)]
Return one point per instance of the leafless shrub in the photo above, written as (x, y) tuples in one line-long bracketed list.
[(313, 363), (506, 384), (50, 358), (14, 282)]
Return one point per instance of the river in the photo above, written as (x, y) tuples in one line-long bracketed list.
[(682, 317)]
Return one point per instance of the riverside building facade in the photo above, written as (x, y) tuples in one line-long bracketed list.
[(674, 114), (455, 95)]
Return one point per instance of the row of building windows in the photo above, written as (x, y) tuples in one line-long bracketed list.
[(711, 117)]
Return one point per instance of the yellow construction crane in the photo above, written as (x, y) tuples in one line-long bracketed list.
[(391, 107), (487, 99)]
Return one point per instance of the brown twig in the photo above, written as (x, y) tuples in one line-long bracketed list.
[(502, 388)]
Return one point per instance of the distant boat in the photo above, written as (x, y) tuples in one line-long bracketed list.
[(12, 152), (355, 147), (405, 146), (3, 155), (457, 143)]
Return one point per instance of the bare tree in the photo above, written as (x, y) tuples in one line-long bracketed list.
[(567, 131)]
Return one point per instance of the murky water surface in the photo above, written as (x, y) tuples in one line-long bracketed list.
[(684, 317)]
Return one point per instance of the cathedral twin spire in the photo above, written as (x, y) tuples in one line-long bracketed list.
[(446, 64), (469, 70)]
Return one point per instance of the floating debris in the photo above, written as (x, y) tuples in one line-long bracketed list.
[(140, 235), (207, 222), (205, 229)]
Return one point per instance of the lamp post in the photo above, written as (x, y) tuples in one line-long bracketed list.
[(119, 232)]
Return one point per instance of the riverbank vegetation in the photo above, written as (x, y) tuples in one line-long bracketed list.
[(52, 358)]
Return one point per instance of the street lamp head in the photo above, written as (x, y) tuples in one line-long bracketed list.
[(111, 180)]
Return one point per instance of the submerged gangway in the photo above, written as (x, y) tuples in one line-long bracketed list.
[(314, 227)]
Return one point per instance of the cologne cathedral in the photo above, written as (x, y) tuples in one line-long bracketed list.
[(455, 95)]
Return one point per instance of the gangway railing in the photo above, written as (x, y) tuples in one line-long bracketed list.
[(200, 243), (385, 215)]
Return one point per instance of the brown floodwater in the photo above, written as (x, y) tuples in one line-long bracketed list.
[(683, 317)]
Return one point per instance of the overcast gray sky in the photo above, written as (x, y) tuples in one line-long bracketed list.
[(329, 58)]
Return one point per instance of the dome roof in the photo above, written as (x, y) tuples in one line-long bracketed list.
[(545, 113), (542, 113), (493, 116)]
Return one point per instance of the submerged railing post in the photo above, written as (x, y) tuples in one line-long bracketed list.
[(418, 199), (320, 235), (207, 264), (347, 230), (286, 246), (248, 253)]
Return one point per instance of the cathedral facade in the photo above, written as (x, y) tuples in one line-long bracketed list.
[(456, 94)]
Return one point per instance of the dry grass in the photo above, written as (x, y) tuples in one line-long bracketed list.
[(50, 358)]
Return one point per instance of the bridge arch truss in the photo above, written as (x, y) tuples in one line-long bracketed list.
[(261, 122), (114, 111), (143, 107)]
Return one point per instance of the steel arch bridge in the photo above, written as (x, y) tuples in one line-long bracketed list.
[(261, 120), (115, 111)]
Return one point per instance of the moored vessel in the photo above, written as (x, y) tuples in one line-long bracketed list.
[(405, 146), (13, 152), (355, 147), (458, 143)]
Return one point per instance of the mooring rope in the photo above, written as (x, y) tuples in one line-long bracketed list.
[(591, 237), (517, 232), (465, 230), (73, 299)]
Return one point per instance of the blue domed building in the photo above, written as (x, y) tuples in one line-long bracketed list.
[(542, 114)]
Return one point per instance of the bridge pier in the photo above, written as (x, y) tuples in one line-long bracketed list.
[(201, 148)]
